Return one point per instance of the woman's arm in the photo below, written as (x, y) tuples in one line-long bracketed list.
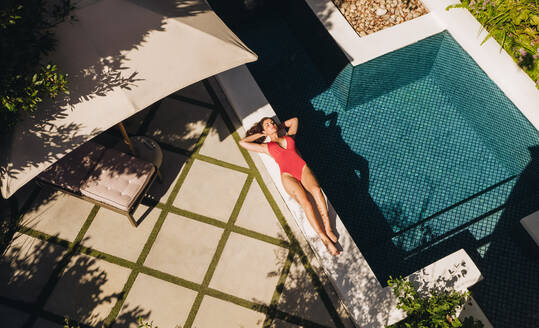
[(248, 143), (292, 125)]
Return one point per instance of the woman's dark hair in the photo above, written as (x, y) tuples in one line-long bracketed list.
[(257, 128)]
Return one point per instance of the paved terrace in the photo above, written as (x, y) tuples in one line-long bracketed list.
[(214, 249)]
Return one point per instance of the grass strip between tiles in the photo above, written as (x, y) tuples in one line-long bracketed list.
[(278, 290), (166, 208), (221, 163), (197, 217), (261, 237), (155, 231), (72, 249), (218, 252), (220, 224), (262, 308), (295, 246)]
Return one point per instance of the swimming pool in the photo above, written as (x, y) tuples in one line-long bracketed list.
[(418, 150), (443, 144)]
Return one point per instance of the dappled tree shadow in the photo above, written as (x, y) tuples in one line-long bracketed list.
[(48, 134), (296, 62), (12, 211), (303, 300), (51, 282)]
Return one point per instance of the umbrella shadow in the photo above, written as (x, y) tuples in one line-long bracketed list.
[(291, 42), (43, 137)]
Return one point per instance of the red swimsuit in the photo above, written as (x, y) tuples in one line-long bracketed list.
[(288, 159)]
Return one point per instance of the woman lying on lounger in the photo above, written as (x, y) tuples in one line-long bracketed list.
[(295, 174)]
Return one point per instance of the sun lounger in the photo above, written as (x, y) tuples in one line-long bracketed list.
[(103, 176)]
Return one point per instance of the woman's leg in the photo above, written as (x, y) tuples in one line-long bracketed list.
[(294, 188), (309, 181)]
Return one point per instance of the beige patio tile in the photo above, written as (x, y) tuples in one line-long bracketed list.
[(112, 233), (26, 267), (178, 124), (210, 190), (12, 318), (171, 168), (214, 312), (220, 144), (249, 268), (88, 290), (196, 91), (300, 298), (256, 214), (184, 248), (164, 303), (58, 215)]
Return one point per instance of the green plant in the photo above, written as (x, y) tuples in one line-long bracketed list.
[(514, 24), (435, 309), (25, 37)]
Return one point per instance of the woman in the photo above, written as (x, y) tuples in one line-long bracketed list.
[(295, 174)]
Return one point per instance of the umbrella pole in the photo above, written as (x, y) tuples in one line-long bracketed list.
[(126, 138)]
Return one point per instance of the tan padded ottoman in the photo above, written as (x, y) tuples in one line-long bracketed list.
[(118, 179)]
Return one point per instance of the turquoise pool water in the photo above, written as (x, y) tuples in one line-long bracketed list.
[(419, 152), (443, 144)]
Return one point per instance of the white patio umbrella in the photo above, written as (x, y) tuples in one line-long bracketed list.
[(121, 56)]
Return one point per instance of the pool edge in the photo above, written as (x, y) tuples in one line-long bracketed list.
[(462, 26), (368, 303)]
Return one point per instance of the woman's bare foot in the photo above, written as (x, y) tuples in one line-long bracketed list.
[(331, 235), (332, 249)]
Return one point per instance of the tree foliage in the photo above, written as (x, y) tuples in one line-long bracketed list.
[(436, 310), (26, 36), (514, 24)]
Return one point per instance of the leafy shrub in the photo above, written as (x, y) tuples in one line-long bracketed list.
[(25, 37), (514, 24), (435, 310)]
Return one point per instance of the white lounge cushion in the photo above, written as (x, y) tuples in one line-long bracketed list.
[(118, 179)]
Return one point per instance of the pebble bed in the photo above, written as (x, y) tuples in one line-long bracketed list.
[(369, 16)]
